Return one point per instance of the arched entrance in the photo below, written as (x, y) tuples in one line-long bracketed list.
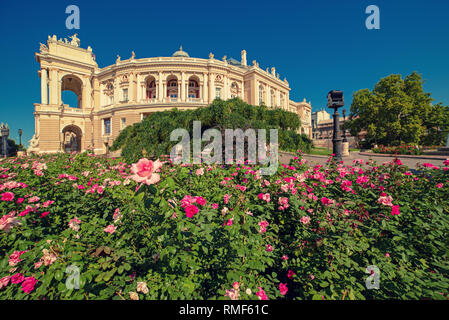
[(71, 139)]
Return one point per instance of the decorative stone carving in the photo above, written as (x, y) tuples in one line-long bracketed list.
[(133, 55), (118, 59), (211, 55), (75, 41), (109, 90), (43, 48), (34, 142)]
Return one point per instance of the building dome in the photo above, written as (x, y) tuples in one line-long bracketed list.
[(180, 53)]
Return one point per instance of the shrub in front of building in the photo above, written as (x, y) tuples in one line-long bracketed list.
[(151, 137)]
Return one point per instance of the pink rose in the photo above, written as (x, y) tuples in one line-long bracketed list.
[(201, 201), (226, 198), (144, 171), (290, 274), (33, 199), (28, 284), (214, 205), (263, 224), (268, 248), (325, 201), (395, 211), (14, 258), (385, 200), (44, 214), (305, 220), (7, 196), (17, 278), (110, 229), (191, 210), (4, 281), (283, 288), (261, 294)]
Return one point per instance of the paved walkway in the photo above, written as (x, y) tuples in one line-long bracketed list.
[(406, 160)]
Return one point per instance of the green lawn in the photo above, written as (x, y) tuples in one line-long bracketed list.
[(325, 152)]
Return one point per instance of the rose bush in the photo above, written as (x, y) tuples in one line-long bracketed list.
[(153, 230)]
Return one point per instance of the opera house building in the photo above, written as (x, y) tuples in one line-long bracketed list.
[(109, 99)]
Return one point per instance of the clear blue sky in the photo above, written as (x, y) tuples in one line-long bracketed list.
[(318, 45)]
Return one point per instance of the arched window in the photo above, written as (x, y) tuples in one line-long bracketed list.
[(194, 88), (234, 90), (261, 94), (151, 90), (172, 87)]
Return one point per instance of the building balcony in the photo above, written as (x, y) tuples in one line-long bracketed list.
[(64, 108)]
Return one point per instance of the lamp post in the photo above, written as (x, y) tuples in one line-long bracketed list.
[(4, 131), (20, 136), (335, 100), (344, 126)]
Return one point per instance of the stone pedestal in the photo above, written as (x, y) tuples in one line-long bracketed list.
[(345, 149)]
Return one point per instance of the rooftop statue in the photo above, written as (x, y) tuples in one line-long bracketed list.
[(75, 41)]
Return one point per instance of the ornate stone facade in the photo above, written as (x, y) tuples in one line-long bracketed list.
[(111, 98)]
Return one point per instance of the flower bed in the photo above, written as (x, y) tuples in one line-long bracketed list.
[(403, 149), (157, 231)]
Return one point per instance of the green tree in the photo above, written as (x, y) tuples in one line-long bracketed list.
[(152, 135), (398, 111)]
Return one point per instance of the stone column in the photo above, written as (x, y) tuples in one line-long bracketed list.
[(44, 86), (96, 94), (132, 86), (267, 94), (183, 87), (212, 88), (164, 91), (242, 94), (116, 90), (54, 86), (86, 94), (204, 97), (160, 88), (256, 93), (225, 88), (201, 92)]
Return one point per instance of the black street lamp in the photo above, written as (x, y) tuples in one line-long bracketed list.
[(344, 126), (20, 136), (335, 100)]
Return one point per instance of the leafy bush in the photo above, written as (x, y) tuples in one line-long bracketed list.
[(403, 149), (220, 232), (152, 135)]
